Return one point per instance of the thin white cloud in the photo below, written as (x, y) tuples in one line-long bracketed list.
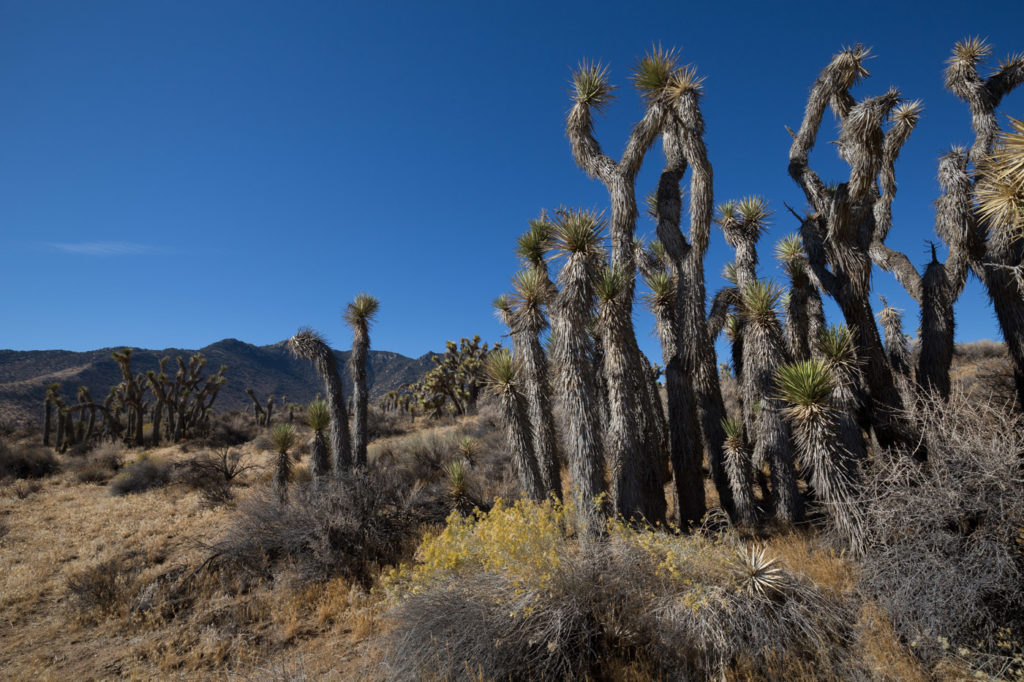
[(105, 248)]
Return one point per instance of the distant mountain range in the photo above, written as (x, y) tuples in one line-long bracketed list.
[(24, 375)]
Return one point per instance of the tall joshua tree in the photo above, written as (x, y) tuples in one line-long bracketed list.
[(895, 344), (318, 417), (763, 354), (531, 291), (836, 347), (52, 396), (737, 467), (807, 387), (577, 239), (309, 345), (503, 375), (636, 489), (358, 315), (283, 437), (592, 93), (995, 248), (851, 219), (684, 431)]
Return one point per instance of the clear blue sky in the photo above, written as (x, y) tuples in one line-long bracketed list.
[(174, 173)]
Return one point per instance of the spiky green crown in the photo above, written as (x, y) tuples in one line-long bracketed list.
[(970, 51), (908, 113), (662, 288), (657, 250), (318, 417), (611, 282), (531, 291), (837, 346), (729, 273), (733, 327), (653, 72), (502, 370), (790, 248), (761, 301), (754, 210), (1000, 191), (503, 303), (743, 219), (685, 80), (806, 383), (361, 311), (283, 437), (535, 242), (578, 231), (591, 86), (733, 429), (308, 344)]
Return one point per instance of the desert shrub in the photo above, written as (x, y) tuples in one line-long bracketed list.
[(26, 461), (945, 552), (341, 527), (262, 443), (212, 474), (23, 489), (231, 429), (100, 465), (510, 595), (381, 424), (422, 454), (105, 588), (143, 474)]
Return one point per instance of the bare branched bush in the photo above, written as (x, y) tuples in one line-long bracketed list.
[(212, 473), (348, 526), (143, 474), (944, 550), (26, 461), (106, 588)]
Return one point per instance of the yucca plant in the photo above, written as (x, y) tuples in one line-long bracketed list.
[(283, 438), (757, 573), (738, 467), (532, 291), (359, 314), (503, 376), (318, 417), (577, 241), (763, 353), (1000, 191), (895, 341), (805, 314), (837, 349), (311, 346), (807, 387)]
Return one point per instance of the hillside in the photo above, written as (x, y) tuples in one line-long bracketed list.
[(267, 370)]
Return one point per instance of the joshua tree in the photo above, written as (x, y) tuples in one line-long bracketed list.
[(737, 467), (807, 387), (895, 341), (653, 77), (1000, 190), (283, 437), (503, 374), (684, 443), (259, 414), (994, 246), (763, 353), (52, 396), (848, 222), (531, 291), (577, 240), (318, 417), (683, 143), (131, 388), (309, 345), (358, 315), (805, 315), (636, 491), (835, 346)]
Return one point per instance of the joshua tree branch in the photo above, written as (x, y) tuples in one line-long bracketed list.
[(897, 263), (814, 247), (585, 147), (725, 298), (640, 140)]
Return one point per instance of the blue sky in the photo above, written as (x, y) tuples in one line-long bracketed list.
[(177, 173)]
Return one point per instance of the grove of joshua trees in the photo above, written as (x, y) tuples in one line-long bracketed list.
[(817, 402)]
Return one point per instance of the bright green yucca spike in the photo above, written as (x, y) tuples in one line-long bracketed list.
[(1000, 191), (653, 72), (610, 283), (836, 343), (790, 248), (733, 327), (535, 242), (753, 210), (455, 472), (733, 428), (318, 417), (651, 204), (502, 369), (662, 289), (591, 86), (283, 437), (806, 383), (970, 51), (578, 231), (530, 287), (726, 212), (361, 310), (729, 273), (657, 249), (503, 303), (761, 300)]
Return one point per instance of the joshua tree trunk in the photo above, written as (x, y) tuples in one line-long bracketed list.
[(895, 346), (357, 361), (318, 456), (47, 416), (310, 346), (737, 465)]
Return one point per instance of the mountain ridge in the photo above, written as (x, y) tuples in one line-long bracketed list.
[(269, 369)]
